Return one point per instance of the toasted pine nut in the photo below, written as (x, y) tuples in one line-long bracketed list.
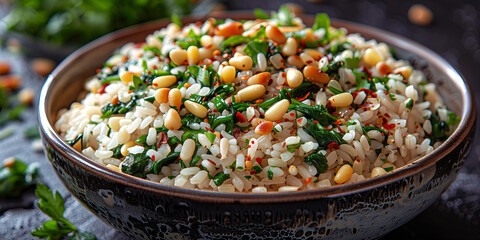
[(26, 95), (358, 166), (125, 147), (224, 146), (406, 71), (164, 81), (228, 74), (276, 112), (264, 128), (257, 121), (313, 53), (251, 92), (178, 56), (153, 41), (241, 62), (175, 98), (188, 149), (308, 35), (260, 78), (294, 78), (290, 47), (229, 29), (248, 164), (204, 53), (161, 95), (341, 100), (307, 59), (192, 55), (293, 170), (114, 123), (383, 68), (127, 77), (295, 61), (420, 15), (173, 120), (274, 33), (277, 61), (313, 74), (11, 82), (206, 41), (4, 67), (123, 136), (371, 57), (114, 100), (377, 171), (343, 174), (196, 109), (113, 167)]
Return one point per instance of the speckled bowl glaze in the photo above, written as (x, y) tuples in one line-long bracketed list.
[(147, 210)]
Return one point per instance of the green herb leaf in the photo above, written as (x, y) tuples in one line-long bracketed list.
[(284, 16), (220, 177), (254, 47), (321, 21), (176, 19), (388, 169), (58, 227), (16, 176), (257, 169), (211, 136), (117, 151), (318, 161), (260, 14), (32, 132), (270, 173)]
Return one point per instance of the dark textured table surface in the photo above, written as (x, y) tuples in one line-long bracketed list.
[(454, 35)]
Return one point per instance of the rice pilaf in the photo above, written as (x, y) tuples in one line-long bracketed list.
[(257, 106)]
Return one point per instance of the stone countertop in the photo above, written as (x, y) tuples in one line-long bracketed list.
[(454, 35)]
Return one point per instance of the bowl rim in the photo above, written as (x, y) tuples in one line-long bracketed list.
[(51, 137)]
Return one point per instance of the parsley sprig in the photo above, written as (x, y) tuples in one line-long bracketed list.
[(59, 227)]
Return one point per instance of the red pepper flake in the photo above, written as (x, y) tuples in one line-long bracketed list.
[(258, 160), (236, 132), (203, 99), (333, 146), (303, 98), (163, 138), (291, 132), (389, 126), (212, 162), (339, 129), (387, 115), (245, 131), (149, 72), (315, 121), (284, 75), (367, 124), (253, 172), (329, 127), (307, 181), (300, 120), (240, 117), (131, 91), (338, 122), (154, 67), (99, 70), (153, 158), (102, 89), (215, 110), (284, 144), (292, 114)]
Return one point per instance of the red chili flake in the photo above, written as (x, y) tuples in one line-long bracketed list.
[(203, 99), (278, 121), (155, 84), (216, 94), (240, 117), (307, 181), (284, 144), (292, 114), (315, 121), (333, 146), (329, 127), (163, 138), (102, 89), (398, 123), (131, 91), (259, 160), (154, 67), (387, 115), (212, 162), (146, 82), (153, 158), (291, 132), (367, 124), (389, 126), (99, 70), (253, 172), (300, 120), (339, 129), (354, 94), (338, 122), (215, 110), (284, 75), (303, 98), (149, 72)]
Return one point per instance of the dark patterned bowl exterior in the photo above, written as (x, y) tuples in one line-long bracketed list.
[(148, 210)]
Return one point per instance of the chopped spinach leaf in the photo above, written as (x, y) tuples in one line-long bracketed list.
[(220, 177), (318, 161)]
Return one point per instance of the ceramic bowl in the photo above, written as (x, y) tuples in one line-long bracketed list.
[(144, 209)]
